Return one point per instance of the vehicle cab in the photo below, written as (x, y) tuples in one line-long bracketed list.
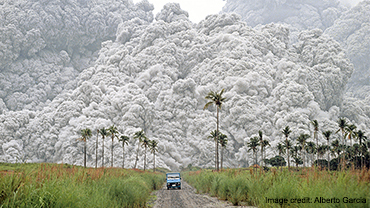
[(173, 180)]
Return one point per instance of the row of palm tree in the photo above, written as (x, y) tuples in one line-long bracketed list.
[(112, 131), (336, 148)]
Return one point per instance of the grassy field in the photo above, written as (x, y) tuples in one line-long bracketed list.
[(52, 185), (303, 188)]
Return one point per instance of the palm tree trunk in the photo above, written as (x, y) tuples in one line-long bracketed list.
[(222, 156), (96, 149), (328, 156), (217, 136), (288, 153), (112, 151), (342, 153), (85, 154), (215, 154), (317, 146), (102, 162), (144, 158), (123, 156), (137, 154), (154, 162), (261, 155)]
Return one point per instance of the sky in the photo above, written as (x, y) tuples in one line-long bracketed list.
[(199, 9)]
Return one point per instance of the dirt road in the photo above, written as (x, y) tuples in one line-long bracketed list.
[(186, 197)]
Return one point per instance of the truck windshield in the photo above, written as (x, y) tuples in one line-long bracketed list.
[(173, 176)]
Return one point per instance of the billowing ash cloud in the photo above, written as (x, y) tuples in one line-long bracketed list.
[(44, 45), (349, 26), (307, 14), (352, 30), (154, 76)]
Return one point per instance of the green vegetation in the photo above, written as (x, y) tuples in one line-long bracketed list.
[(246, 187), (51, 185)]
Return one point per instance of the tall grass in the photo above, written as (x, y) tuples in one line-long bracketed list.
[(50, 185), (304, 188)]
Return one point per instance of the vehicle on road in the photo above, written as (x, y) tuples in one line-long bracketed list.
[(173, 180)]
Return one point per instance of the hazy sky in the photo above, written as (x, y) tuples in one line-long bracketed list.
[(199, 9)]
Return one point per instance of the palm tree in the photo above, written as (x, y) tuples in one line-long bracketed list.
[(311, 149), (145, 144), (260, 136), (361, 138), (302, 139), (294, 152), (286, 131), (281, 150), (85, 134), (265, 143), (218, 100), (350, 132), (96, 149), (336, 147), (321, 150), (112, 131), (104, 133), (153, 149), (124, 140), (342, 123), (253, 144), (213, 135), (315, 125), (367, 145), (288, 147), (223, 143), (140, 135), (327, 135)]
